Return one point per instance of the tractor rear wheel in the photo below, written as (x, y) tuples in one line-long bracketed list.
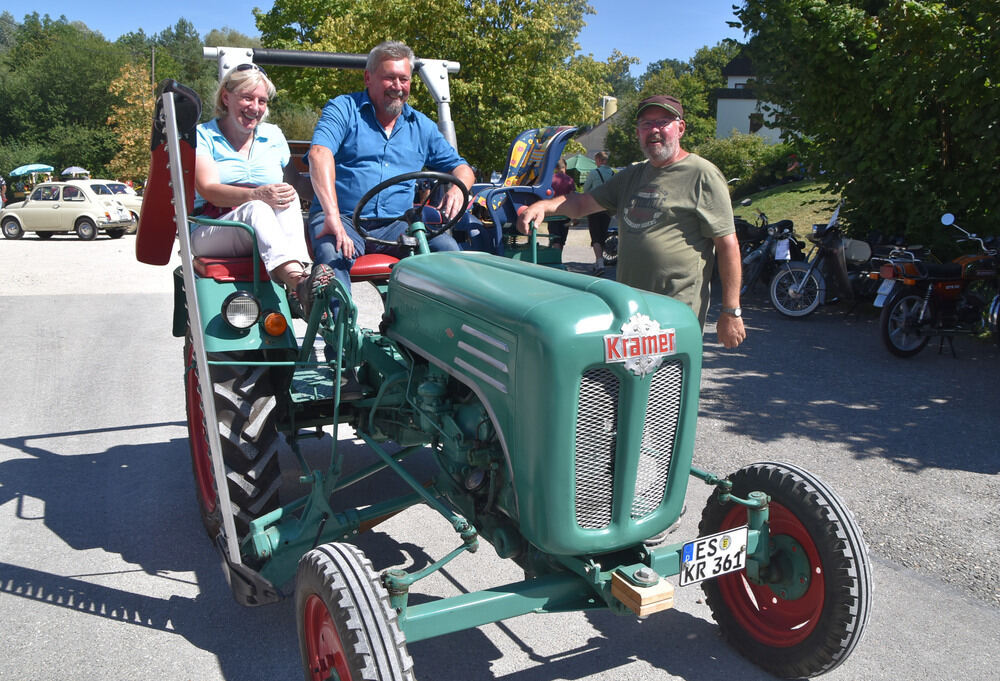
[(245, 407), (808, 611), (345, 621)]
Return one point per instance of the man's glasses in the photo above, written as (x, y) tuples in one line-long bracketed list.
[(247, 67), (646, 126)]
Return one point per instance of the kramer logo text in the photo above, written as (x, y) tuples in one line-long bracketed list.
[(640, 345)]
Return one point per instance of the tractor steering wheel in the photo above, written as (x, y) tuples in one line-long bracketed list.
[(412, 215)]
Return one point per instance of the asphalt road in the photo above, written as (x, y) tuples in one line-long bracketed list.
[(105, 572)]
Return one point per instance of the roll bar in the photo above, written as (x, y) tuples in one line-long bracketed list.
[(433, 72)]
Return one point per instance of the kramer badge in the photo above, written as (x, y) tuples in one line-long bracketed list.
[(641, 345)]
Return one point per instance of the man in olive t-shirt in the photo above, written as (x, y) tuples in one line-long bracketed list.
[(674, 217)]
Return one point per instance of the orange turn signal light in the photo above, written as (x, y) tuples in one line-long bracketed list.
[(275, 323)]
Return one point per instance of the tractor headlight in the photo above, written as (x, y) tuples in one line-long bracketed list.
[(241, 310)]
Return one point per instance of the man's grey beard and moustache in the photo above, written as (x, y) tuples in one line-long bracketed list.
[(661, 154), (394, 103)]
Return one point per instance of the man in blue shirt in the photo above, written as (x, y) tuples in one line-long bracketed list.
[(364, 138)]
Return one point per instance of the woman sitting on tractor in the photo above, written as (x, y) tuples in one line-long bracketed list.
[(239, 177)]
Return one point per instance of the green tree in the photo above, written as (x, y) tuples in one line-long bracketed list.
[(900, 96), (693, 82), (517, 65), (130, 120)]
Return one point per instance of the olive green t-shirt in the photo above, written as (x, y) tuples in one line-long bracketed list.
[(667, 219)]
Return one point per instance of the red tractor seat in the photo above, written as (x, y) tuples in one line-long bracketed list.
[(370, 267)]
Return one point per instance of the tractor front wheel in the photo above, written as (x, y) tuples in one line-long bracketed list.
[(246, 411), (807, 611), (345, 621)]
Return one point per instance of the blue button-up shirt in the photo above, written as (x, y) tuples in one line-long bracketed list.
[(366, 156)]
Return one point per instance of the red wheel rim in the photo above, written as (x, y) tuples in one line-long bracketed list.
[(201, 458), (323, 644), (762, 613)]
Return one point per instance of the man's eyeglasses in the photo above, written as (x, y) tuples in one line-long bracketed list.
[(247, 67), (646, 126)]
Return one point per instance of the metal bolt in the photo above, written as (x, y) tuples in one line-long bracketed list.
[(645, 575)]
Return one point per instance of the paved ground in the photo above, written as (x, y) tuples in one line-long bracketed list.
[(105, 572)]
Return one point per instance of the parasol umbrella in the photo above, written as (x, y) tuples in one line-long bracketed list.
[(75, 170), (581, 163), (30, 168), (577, 167)]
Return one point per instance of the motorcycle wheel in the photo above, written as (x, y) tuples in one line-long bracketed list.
[(787, 301), (808, 610), (900, 332)]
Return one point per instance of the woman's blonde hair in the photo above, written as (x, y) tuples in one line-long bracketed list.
[(243, 78)]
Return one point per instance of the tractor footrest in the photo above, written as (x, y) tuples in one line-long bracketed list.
[(314, 386)]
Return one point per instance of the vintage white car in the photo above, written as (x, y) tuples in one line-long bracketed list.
[(122, 192), (71, 206)]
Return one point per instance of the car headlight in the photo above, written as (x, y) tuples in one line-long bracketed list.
[(241, 310)]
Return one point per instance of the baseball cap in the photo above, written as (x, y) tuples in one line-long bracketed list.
[(670, 104)]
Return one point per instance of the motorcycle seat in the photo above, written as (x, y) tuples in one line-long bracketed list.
[(945, 270)]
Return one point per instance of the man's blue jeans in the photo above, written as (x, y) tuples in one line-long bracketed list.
[(325, 248)]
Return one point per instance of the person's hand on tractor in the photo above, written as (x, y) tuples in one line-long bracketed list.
[(451, 204), (529, 216)]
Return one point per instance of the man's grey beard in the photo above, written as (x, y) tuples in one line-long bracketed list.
[(661, 155), (394, 106)]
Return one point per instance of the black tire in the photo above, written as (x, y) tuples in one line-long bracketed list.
[(611, 250), (900, 331), (116, 233), (246, 410), (86, 229), (44, 236), (345, 620), (12, 229), (818, 628), (750, 274), (787, 302)]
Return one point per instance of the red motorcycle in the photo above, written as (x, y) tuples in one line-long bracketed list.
[(926, 300)]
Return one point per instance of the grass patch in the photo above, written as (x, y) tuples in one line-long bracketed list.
[(801, 202)]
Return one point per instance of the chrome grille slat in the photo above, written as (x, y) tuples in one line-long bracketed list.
[(658, 438), (596, 440)]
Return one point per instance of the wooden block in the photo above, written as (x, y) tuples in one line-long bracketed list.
[(643, 600)]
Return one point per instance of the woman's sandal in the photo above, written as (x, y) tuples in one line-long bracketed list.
[(307, 288)]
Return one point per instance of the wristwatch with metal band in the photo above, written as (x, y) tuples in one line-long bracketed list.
[(735, 311)]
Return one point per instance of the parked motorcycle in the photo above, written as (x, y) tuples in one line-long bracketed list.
[(837, 268), (761, 261), (926, 300)]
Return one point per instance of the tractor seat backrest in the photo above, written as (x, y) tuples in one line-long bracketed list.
[(532, 160)]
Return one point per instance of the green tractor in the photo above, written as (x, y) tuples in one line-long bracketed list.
[(559, 409)]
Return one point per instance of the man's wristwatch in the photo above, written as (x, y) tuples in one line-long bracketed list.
[(735, 311)]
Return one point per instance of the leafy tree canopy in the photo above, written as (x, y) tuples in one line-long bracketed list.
[(518, 69), (900, 96), (693, 82)]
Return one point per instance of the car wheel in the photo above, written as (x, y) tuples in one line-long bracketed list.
[(12, 229), (116, 233), (86, 229), (44, 236)]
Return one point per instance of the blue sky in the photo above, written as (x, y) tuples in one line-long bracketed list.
[(647, 29)]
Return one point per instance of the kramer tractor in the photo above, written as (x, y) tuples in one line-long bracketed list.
[(558, 412)]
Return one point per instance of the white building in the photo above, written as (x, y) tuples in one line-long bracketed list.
[(738, 108)]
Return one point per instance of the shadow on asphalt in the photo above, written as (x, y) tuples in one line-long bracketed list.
[(828, 377)]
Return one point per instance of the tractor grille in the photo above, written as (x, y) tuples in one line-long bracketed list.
[(597, 441)]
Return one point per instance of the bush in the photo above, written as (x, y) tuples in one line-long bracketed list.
[(750, 158)]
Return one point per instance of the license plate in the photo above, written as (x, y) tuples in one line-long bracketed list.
[(883, 291), (781, 250), (714, 555)]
